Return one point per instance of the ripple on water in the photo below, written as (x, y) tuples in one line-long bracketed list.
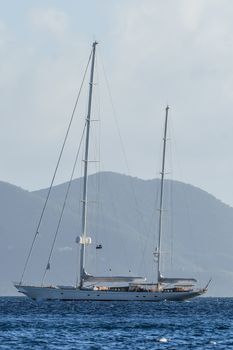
[(205, 323)]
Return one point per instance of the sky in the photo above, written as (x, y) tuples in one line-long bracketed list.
[(154, 53)]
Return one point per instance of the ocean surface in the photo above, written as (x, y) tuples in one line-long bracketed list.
[(203, 323)]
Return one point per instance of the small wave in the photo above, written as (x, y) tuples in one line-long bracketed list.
[(163, 340)]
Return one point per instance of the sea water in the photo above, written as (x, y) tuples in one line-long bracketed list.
[(202, 323)]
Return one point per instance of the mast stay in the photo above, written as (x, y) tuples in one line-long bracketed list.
[(54, 174)]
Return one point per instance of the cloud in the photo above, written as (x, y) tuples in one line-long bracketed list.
[(5, 36), (192, 12), (52, 20), (64, 249), (155, 52)]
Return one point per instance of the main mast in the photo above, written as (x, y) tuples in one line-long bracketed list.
[(161, 196), (84, 239)]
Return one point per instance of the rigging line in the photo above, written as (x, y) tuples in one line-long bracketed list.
[(171, 201), (141, 221), (64, 204), (79, 199), (122, 145), (172, 223), (104, 206), (152, 220), (96, 154), (186, 200), (56, 168)]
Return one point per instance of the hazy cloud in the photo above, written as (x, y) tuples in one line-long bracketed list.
[(52, 20), (155, 52), (64, 249)]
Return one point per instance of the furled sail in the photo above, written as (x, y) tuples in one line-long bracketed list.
[(90, 278), (171, 280)]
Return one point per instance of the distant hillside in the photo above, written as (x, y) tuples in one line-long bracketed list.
[(197, 239)]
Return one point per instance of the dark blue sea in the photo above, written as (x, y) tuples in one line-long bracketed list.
[(204, 323)]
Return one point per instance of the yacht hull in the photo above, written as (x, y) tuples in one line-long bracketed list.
[(76, 294)]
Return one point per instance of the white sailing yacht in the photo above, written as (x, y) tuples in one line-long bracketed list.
[(113, 288)]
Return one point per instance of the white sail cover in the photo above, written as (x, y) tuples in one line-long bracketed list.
[(171, 280), (90, 278)]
